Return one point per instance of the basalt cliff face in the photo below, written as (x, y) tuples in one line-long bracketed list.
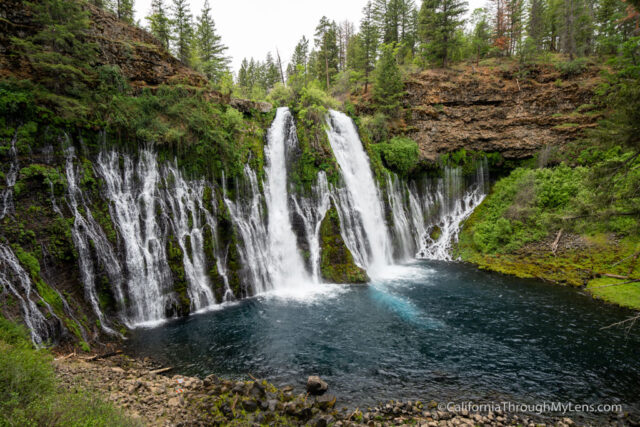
[(513, 111)]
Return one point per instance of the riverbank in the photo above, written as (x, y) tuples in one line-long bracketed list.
[(156, 396), (603, 265)]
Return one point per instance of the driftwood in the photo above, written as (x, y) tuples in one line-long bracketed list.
[(161, 370), (615, 284), (66, 357), (103, 356), (554, 245), (615, 276)]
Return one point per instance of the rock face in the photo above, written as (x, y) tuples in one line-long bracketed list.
[(336, 262), (495, 110)]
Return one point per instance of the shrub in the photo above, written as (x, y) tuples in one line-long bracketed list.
[(572, 68), (399, 155)]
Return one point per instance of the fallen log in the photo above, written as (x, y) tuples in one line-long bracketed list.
[(161, 370), (103, 356)]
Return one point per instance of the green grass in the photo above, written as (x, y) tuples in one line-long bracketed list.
[(30, 394), (627, 295)]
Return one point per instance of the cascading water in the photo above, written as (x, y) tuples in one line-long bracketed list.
[(456, 205), (184, 201), (286, 267), (87, 234), (312, 210), (359, 203), (6, 195), (16, 280), (247, 215)]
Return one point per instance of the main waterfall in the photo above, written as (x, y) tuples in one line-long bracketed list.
[(285, 262), (360, 206)]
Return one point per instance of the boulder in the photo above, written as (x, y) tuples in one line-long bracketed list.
[(326, 402), (316, 386)]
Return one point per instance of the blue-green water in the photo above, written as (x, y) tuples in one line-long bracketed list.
[(442, 331)]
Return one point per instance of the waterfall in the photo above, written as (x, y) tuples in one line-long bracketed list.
[(6, 195), (286, 267), (247, 215), (86, 233), (312, 210), (185, 203), (456, 205), (359, 203), (402, 226), (14, 278)]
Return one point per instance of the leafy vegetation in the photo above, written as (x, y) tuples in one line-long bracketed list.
[(30, 395)]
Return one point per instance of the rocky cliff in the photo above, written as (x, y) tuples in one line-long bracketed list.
[(513, 111)]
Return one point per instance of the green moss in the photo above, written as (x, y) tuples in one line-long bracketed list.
[(180, 284), (625, 295), (336, 262), (399, 155)]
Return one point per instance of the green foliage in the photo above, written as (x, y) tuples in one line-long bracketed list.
[(526, 206), (336, 262), (572, 68), (30, 395), (389, 87), (400, 155)]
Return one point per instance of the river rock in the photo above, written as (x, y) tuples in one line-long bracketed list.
[(316, 386), (250, 405), (326, 401)]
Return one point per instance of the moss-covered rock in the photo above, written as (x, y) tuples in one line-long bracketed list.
[(336, 262), (175, 255)]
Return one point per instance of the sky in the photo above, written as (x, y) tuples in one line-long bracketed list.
[(251, 28)]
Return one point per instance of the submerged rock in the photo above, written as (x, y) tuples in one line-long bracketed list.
[(316, 386)]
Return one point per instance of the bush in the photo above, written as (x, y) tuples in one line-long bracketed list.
[(29, 395), (572, 68), (399, 155)]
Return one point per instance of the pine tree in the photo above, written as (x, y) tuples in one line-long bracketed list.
[(536, 25), (183, 30), (59, 52), (159, 23), (211, 52), (481, 35), (327, 45), (388, 89), (271, 72), (612, 31), (124, 10), (439, 25), (300, 58), (369, 38), (515, 11)]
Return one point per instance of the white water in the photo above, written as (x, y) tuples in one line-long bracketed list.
[(286, 267), (6, 195), (184, 201), (17, 281), (360, 206)]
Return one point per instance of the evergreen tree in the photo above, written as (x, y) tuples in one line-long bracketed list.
[(388, 89), (124, 10), (271, 74), (183, 30), (59, 52), (439, 25), (515, 12), (369, 39), (159, 23), (612, 31), (481, 35), (327, 46), (536, 24), (300, 58), (211, 52)]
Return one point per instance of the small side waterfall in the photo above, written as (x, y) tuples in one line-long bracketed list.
[(6, 195), (312, 210), (457, 203), (360, 205), (248, 216), (185, 208), (286, 266), (87, 234), (17, 281), (133, 209)]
